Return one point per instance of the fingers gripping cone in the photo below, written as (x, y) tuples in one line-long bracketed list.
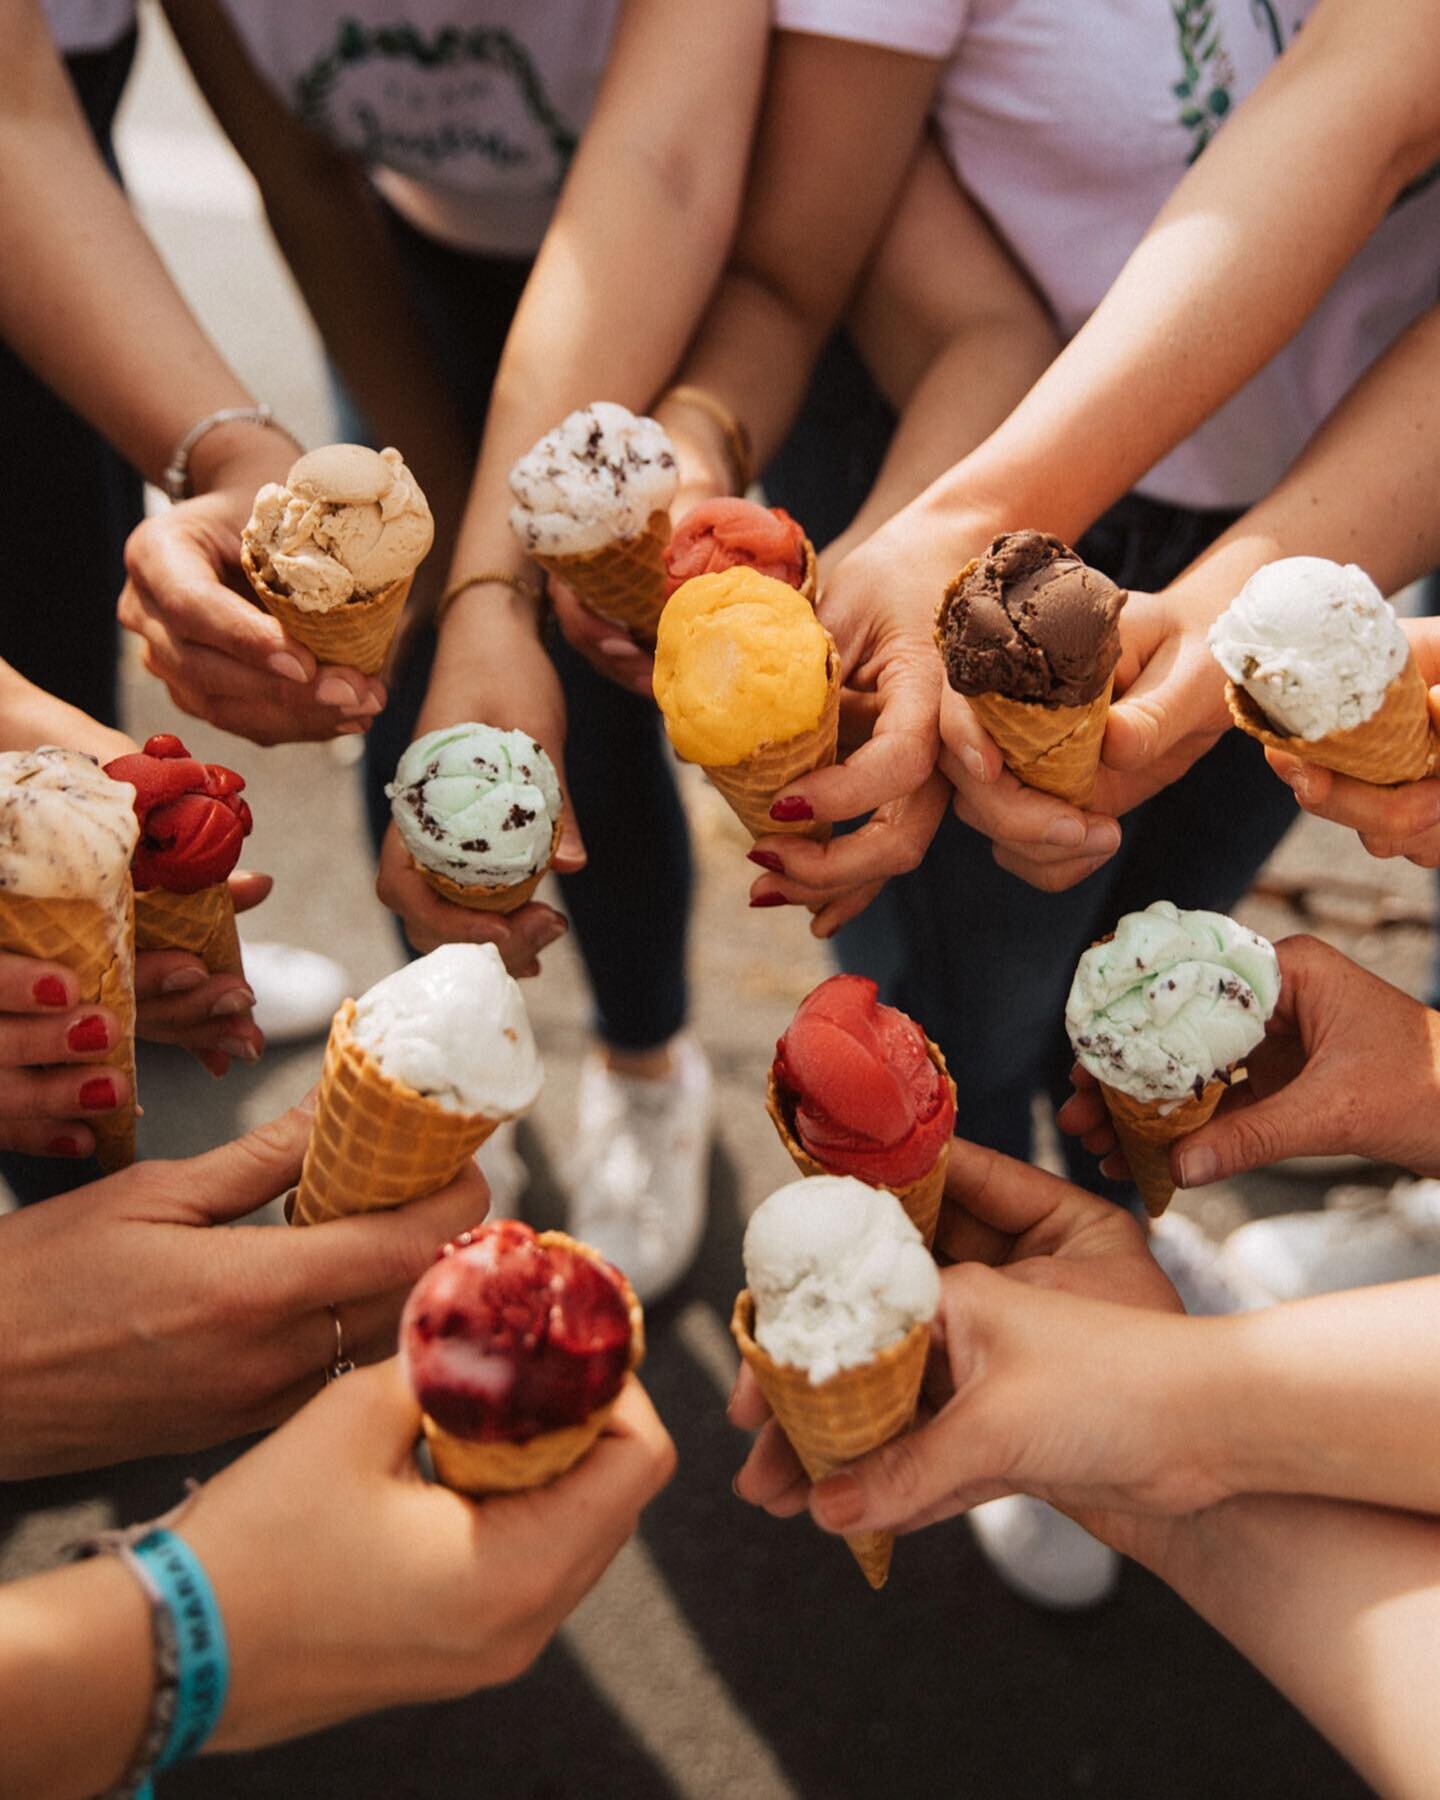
[(501, 1467), (1056, 748), (202, 923), (1146, 1131), (1394, 745), (357, 634), (750, 787), (844, 1418), (376, 1143), (623, 581)]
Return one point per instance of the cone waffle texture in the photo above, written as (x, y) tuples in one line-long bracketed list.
[(1395, 744), (809, 584), (1053, 748), (843, 1418), (470, 1467), (202, 923), (98, 947), (375, 1142), (750, 786), (492, 899), (623, 581), (920, 1198), (1146, 1134), (358, 633)]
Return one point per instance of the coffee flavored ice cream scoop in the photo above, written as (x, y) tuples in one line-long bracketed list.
[(479, 811), (1030, 635)]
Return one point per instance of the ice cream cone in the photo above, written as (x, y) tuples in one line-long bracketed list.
[(623, 581), (750, 786), (834, 1422), (1053, 748), (357, 634), (492, 899), (99, 948), (500, 1467), (202, 923), (1146, 1130), (809, 584), (1393, 745), (920, 1198), (376, 1143)]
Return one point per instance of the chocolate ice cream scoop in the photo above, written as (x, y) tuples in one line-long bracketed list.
[(1031, 621)]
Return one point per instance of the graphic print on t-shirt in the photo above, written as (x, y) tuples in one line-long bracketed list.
[(409, 101), (1207, 80)]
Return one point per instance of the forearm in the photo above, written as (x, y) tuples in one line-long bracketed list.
[(1339, 1606), (30, 717), (76, 1675)]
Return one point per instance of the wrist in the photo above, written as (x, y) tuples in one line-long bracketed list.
[(240, 456)]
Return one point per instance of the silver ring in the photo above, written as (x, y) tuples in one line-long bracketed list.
[(342, 1365)]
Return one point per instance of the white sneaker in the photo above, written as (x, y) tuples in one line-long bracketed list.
[(639, 1175), (1192, 1261), (503, 1167), (296, 991), (1362, 1238), (1042, 1555)]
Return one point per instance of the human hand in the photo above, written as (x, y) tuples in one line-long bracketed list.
[(1048, 1373), (607, 647), (347, 1583), (1349, 1066), (223, 657), (129, 1327), (178, 1000)]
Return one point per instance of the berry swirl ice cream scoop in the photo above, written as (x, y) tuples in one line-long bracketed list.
[(517, 1346)]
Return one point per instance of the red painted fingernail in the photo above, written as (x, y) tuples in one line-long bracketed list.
[(90, 1033), (793, 807), (49, 990), (767, 859), (769, 900), (63, 1146), (99, 1095)]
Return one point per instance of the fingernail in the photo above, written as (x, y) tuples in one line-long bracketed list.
[(769, 900), (90, 1033), (617, 647), (1102, 838), (735, 1487), (99, 1094), (238, 1000), (332, 691), (241, 1047), (369, 706), (288, 666), (1301, 782), (792, 808), (348, 730), (1066, 834), (767, 859), (183, 981), (49, 990), (973, 763), (63, 1146), (839, 1501), (1198, 1165)]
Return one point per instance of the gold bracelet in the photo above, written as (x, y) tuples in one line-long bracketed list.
[(527, 590), (737, 438)]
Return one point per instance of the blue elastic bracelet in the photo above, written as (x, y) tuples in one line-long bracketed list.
[(178, 1580)]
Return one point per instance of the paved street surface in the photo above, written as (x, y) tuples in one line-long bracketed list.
[(725, 1654)]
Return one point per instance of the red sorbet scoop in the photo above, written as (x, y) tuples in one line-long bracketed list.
[(192, 819), (506, 1337), (866, 1098), (728, 534)]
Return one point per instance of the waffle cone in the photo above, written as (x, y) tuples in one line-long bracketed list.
[(809, 584), (375, 1142), (623, 581), (470, 1467), (843, 1418), (99, 948), (492, 899), (1146, 1134), (357, 634), (1395, 744), (1053, 748), (202, 923), (920, 1198), (750, 786)]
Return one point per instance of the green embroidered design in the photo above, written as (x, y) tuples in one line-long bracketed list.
[(454, 49), (1208, 74)]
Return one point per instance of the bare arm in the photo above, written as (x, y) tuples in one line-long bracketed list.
[(29, 717)]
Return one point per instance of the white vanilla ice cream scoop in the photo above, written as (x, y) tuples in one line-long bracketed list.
[(1173, 1001), (597, 477), (1313, 643), (837, 1272), (453, 1026), (347, 524), (67, 831)]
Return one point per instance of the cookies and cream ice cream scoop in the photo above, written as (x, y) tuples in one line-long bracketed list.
[(597, 477), (67, 831)]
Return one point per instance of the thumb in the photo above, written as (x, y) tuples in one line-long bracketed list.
[(232, 1181), (570, 852), (1291, 1122), (906, 1478)]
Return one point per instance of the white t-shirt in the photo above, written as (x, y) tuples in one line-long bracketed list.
[(466, 111), (78, 25), (1072, 121)]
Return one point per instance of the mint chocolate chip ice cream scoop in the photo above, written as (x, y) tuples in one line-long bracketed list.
[(476, 804), (1029, 620)]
